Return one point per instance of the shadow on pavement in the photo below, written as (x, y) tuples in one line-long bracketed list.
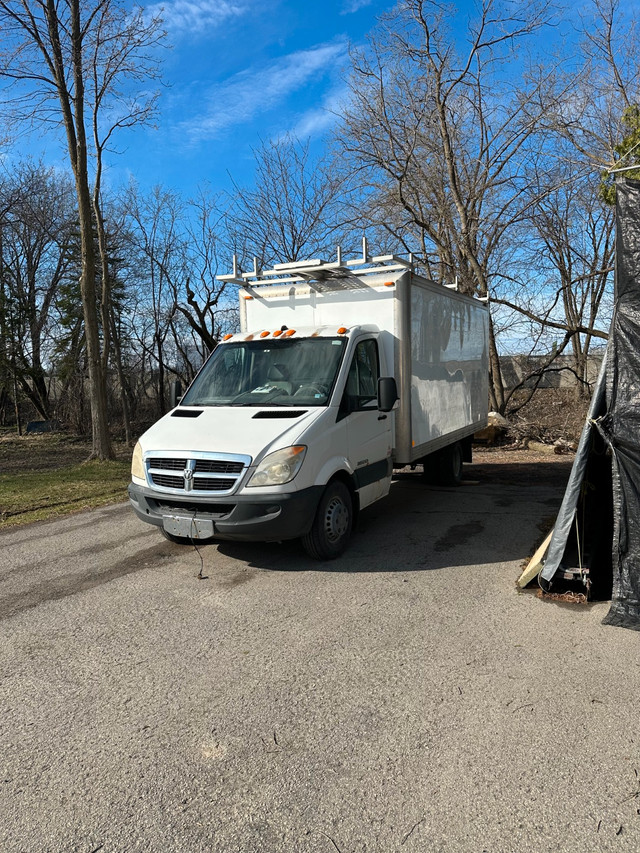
[(497, 515)]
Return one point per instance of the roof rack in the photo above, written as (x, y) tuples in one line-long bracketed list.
[(318, 273)]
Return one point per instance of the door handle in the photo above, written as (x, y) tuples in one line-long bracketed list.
[(382, 417)]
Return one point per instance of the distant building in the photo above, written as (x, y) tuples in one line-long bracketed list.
[(516, 369)]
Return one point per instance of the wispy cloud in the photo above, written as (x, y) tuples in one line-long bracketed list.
[(255, 91), (316, 121), (351, 6), (196, 16)]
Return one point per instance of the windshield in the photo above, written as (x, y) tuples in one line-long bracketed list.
[(277, 372)]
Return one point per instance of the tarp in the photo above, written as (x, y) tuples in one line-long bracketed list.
[(598, 525)]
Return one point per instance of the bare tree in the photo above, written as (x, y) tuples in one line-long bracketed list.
[(442, 134), (568, 240), (200, 298), (590, 126), (155, 231), (36, 233), (184, 309), (590, 115), (295, 209), (68, 62)]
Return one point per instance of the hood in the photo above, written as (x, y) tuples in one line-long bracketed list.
[(225, 429)]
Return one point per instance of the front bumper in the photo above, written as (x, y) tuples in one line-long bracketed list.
[(263, 518)]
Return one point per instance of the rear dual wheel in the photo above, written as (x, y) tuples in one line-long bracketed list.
[(444, 467)]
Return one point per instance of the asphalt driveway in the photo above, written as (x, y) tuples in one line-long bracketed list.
[(402, 698)]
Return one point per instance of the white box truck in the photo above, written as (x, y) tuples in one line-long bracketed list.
[(341, 372)]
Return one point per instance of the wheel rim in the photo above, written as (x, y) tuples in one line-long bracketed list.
[(336, 519)]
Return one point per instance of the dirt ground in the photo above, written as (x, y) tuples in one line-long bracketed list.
[(516, 466), (50, 452)]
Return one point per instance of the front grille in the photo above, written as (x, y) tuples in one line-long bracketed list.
[(211, 484), (166, 481), (206, 473), (216, 466), (168, 464)]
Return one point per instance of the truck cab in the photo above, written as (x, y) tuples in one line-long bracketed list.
[(281, 435)]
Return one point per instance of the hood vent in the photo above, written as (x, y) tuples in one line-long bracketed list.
[(186, 413), (281, 413)]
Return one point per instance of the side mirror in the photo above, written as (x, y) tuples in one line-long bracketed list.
[(175, 393), (387, 393)]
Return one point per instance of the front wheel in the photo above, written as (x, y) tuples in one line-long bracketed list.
[(332, 524)]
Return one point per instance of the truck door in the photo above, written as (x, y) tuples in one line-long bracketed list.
[(368, 430)]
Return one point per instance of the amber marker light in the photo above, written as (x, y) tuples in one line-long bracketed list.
[(264, 334), (389, 283), (289, 332), (277, 333), (342, 330), (249, 338), (226, 337), (247, 297)]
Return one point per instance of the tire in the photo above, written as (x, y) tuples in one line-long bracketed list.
[(444, 467), (331, 528), (451, 465)]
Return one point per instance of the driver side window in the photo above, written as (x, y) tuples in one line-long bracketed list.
[(362, 381), (227, 381)]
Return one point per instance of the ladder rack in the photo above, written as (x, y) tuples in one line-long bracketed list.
[(317, 273)]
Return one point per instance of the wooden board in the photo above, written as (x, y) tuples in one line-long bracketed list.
[(535, 564)]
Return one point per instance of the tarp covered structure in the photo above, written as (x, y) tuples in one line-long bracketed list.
[(596, 539)]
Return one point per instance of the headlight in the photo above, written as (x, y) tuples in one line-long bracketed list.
[(137, 465), (279, 467)]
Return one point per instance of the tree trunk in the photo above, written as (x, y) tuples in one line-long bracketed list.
[(161, 398), (32, 393), (122, 379), (101, 448), (496, 386)]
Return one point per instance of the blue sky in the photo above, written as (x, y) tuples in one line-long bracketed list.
[(240, 71)]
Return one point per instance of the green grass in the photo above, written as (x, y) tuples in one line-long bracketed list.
[(40, 495)]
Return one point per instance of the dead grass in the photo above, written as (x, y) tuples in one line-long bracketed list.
[(54, 450), (46, 476)]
